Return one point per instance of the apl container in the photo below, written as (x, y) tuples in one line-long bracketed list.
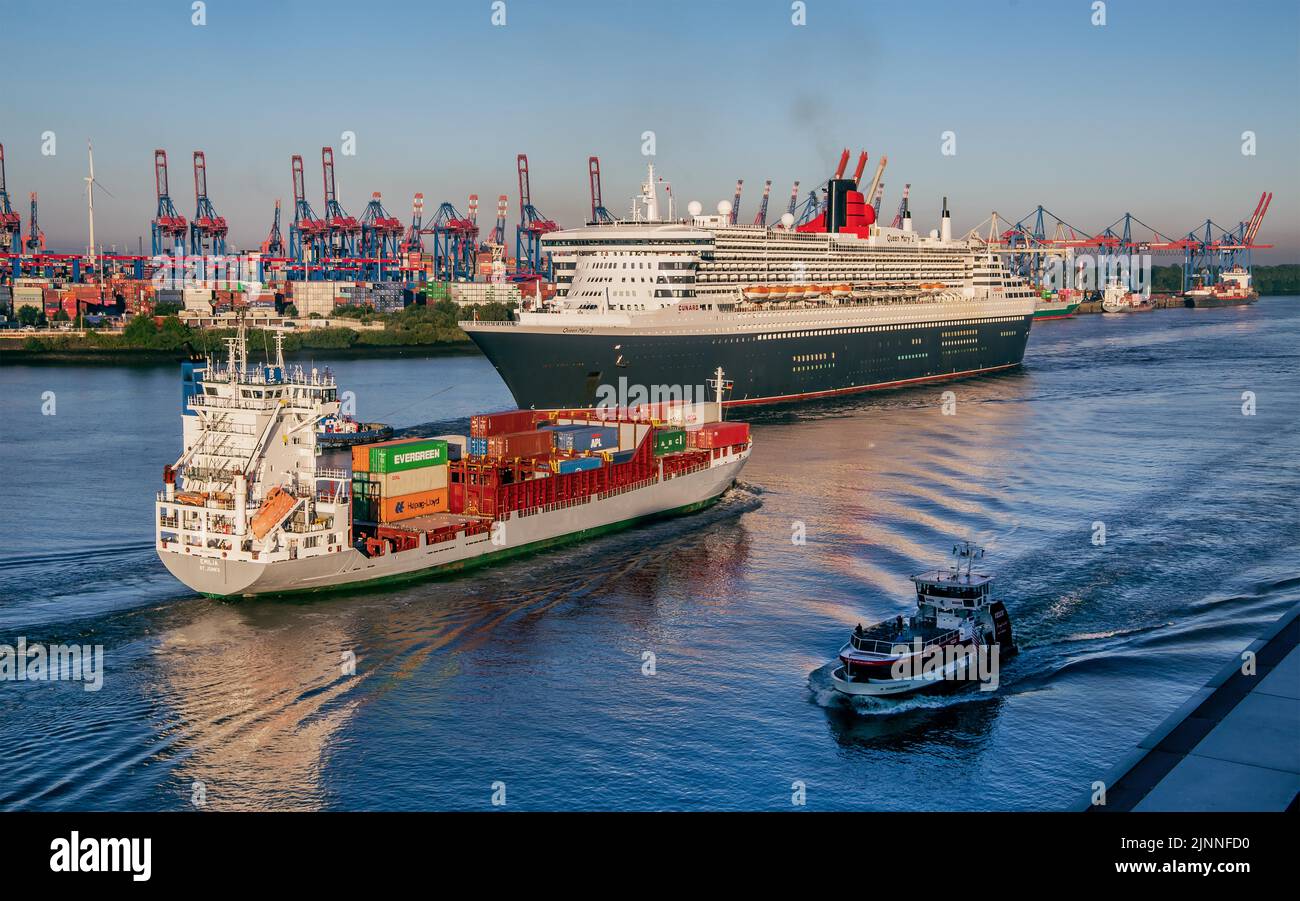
[(586, 438)]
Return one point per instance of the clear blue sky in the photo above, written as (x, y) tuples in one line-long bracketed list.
[(1143, 114)]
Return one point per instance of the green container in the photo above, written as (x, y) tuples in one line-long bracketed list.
[(385, 458), (669, 441)]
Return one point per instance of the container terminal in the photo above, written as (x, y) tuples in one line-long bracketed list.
[(315, 260)]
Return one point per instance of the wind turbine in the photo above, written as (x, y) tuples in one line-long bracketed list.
[(90, 205)]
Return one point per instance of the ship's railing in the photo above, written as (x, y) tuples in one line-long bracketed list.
[(890, 648)]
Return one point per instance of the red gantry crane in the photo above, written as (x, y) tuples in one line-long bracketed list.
[(532, 225), (207, 230), (169, 230)]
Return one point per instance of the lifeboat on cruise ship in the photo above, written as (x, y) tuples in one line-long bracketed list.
[(841, 290), (813, 291), (776, 292), (758, 293)]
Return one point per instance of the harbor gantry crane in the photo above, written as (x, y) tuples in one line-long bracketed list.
[(735, 202), (273, 246), (902, 207), (381, 238), (169, 230), (35, 241), (794, 201), (598, 211), (307, 231), (472, 212), (761, 218), (413, 242), (455, 242), (879, 198), (11, 223), (342, 231), (532, 225), (207, 229)]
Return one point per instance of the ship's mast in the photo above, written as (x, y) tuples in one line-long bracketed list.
[(650, 195)]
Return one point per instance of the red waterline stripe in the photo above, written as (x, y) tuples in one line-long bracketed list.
[(857, 389)]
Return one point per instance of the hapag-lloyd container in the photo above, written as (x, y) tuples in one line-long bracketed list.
[(720, 434), (395, 509)]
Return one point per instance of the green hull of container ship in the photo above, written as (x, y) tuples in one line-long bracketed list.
[(458, 566), (1056, 312)]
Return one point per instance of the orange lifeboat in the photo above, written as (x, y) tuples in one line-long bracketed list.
[(841, 290), (757, 292), (274, 508)]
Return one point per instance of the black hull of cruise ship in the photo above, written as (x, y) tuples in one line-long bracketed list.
[(549, 370)]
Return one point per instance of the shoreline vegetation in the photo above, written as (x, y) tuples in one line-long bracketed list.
[(416, 330)]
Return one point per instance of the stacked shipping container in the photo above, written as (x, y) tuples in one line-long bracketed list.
[(396, 480)]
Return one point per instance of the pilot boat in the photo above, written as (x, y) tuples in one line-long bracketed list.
[(957, 633)]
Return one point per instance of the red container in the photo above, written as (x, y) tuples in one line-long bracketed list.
[(720, 434), (485, 425), (520, 444)]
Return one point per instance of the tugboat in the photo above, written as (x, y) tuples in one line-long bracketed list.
[(956, 630), (344, 431)]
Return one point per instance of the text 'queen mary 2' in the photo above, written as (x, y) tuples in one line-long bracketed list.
[(834, 306)]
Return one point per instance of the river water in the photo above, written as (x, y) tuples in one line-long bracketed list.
[(531, 674)]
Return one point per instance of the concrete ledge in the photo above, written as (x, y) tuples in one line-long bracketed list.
[(1233, 746)]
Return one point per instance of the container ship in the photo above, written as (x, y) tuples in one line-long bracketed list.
[(1232, 288), (261, 503), (1061, 304), (837, 305)]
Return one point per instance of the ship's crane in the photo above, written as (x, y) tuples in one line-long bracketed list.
[(273, 246), (207, 230), (342, 231), (11, 223), (598, 211), (532, 225), (35, 241), (455, 241), (413, 242), (735, 201), (381, 236), (307, 231), (902, 207), (761, 218), (169, 230)]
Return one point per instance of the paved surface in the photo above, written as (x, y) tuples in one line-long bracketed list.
[(1235, 744)]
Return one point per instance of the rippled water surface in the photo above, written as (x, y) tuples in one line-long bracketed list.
[(531, 673)]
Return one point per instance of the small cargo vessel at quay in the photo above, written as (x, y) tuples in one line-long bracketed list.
[(956, 620), (258, 504), (1232, 288)]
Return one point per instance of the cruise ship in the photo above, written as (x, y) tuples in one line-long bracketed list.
[(837, 305)]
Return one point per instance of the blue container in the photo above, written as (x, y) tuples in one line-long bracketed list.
[(622, 456), (587, 438), (477, 447), (579, 464)]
